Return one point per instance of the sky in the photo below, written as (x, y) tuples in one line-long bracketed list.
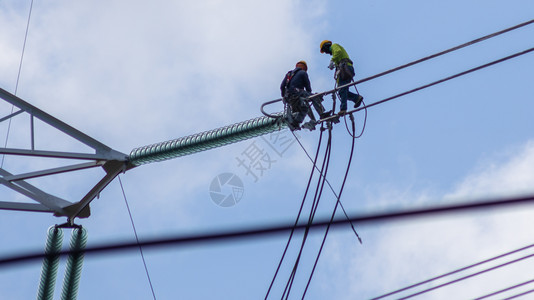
[(135, 73)]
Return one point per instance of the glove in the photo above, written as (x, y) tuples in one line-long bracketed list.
[(331, 66)]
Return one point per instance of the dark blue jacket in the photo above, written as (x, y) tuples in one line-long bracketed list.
[(299, 80)]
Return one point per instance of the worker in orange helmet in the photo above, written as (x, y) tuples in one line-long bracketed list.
[(344, 73), (296, 89)]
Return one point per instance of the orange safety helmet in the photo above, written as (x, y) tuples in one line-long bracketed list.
[(323, 43), (302, 62)]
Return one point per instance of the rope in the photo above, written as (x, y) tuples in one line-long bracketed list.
[(331, 188), (137, 239)]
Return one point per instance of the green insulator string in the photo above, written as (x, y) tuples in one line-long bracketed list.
[(50, 264), (73, 270), (205, 140)]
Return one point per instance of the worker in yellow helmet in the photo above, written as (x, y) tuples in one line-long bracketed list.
[(296, 89), (344, 73)]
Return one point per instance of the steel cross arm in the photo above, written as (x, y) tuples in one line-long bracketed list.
[(55, 154), (54, 171), (35, 207), (60, 125), (52, 202), (81, 208), (11, 115)]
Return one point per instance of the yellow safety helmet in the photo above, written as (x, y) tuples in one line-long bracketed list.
[(324, 43), (302, 62)]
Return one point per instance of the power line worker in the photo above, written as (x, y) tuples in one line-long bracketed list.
[(296, 89), (344, 73)]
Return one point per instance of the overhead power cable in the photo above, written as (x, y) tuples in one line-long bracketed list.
[(330, 186), (311, 216), (266, 231), (506, 289), (489, 36), (519, 295), (418, 61), (298, 216), (454, 272), (444, 79), (335, 207), (467, 277)]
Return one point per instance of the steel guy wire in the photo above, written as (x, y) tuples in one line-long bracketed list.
[(137, 239), (18, 77)]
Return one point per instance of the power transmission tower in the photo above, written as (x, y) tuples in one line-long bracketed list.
[(113, 162)]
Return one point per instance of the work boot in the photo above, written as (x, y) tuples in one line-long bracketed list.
[(293, 125), (358, 101), (325, 115), (309, 125)]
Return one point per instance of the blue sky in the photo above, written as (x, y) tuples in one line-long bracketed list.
[(136, 73)]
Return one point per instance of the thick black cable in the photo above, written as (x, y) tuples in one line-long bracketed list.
[(454, 272), (331, 188), (335, 207), (363, 127), (137, 239), (444, 79), (364, 120), (298, 217), (315, 205), (18, 77), (505, 290), (276, 229), (467, 277)]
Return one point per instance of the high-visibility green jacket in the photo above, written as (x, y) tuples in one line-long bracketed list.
[(338, 53)]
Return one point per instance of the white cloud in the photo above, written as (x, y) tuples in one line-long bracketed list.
[(162, 70), (403, 253), (495, 178)]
